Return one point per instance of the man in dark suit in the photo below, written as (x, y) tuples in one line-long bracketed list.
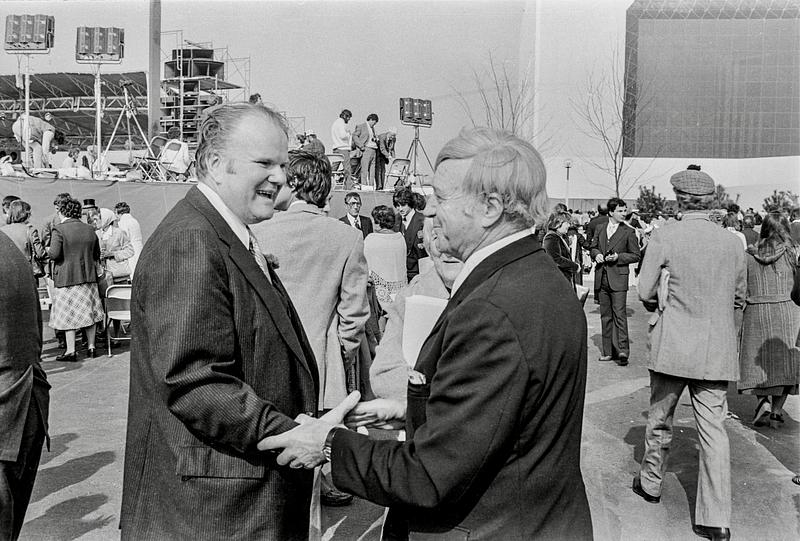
[(24, 391), (411, 227), (614, 247), (353, 218), (219, 359), (495, 400), (601, 220)]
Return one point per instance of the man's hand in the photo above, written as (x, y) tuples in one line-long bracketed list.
[(379, 413), (610, 258), (599, 258), (302, 445)]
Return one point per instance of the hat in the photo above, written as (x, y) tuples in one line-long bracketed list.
[(692, 182), (393, 130), (311, 132), (89, 204)]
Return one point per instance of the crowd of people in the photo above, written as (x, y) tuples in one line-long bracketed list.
[(259, 333)]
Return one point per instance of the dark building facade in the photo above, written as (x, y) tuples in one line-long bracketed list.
[(712, 78)]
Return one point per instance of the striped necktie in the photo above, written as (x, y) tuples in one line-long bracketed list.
[(255, 251)]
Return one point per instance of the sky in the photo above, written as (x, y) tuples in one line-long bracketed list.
[(311, 59)]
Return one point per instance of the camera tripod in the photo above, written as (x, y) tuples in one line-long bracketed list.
[(413, 153), (128, 111)]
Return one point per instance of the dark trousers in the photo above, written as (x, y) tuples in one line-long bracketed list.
[(613, 318), (16, 478)]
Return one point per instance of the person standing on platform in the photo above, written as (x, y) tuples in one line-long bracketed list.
[(613, 248), (693, 343), (386, 143), (41, 136), (219, 358), (313, 144), (24, 391), (495, 400), (353, 218), (341, 143), (366, 142)]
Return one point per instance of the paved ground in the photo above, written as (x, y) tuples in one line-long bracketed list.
[(78, 490)]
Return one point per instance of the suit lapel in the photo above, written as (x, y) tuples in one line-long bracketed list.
[(488, 267), (242, 258), (615, 238)]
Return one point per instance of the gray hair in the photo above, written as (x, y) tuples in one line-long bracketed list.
[(219, 124), (504, 164)]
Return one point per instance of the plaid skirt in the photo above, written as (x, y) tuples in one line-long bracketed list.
[(76, 307)]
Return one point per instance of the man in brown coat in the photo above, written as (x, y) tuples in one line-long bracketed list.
[(693, 344)]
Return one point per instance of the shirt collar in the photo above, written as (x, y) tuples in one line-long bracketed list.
[(407, 217), (237, 226), (481, 255)]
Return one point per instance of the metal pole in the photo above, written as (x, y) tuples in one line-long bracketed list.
[(26, 132), (98, 110), (566, 190)]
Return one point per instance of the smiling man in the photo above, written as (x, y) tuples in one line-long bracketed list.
[(495, 400), (219, 359)]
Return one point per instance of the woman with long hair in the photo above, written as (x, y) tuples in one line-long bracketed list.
[(75, 251), (769, 354), (555, 243)]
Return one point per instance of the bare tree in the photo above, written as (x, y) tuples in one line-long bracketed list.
[(506, 102), (607, 111)]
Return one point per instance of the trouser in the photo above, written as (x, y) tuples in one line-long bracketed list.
[(710, 406), (368, 167), (17, 478), (613, 318), (380, 173), (47, 139), (345, 154)]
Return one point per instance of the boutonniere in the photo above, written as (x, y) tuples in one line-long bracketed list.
[(272, 260)]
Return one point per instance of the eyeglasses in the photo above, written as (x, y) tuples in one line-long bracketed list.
[(354, 204)]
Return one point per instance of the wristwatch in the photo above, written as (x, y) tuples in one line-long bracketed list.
[(326, 448)]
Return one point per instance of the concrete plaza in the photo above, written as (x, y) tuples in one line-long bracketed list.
[(79, 486)]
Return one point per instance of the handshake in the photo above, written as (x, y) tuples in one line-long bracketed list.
[(303, 446)]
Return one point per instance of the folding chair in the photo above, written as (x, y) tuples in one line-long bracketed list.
[(118, 308), (337, 170), (398, 170)]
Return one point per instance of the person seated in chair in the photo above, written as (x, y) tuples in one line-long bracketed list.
[(175, 156)]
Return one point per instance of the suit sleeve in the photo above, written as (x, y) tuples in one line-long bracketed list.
[(551, 246), (650, 273), (473, 408), (594, 244), (188, 311), (388, 373), (631, 252), (56, 243), (353, 307)]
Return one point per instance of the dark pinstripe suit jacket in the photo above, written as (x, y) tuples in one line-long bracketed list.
[(219, 360)]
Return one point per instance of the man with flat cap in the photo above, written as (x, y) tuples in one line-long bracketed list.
[(698, 310)]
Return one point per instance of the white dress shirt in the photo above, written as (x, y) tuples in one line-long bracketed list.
[(237, 226)]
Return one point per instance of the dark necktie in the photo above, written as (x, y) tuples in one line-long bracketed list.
[(357, 222)]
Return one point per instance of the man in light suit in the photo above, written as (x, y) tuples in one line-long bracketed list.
[(366, 142), (386, 143), (693, 344), (219, 359), (614, 247), (24, 391), (321, 261), (353, 218), (495, 400)]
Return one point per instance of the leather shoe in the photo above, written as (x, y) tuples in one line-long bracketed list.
[(623, 359), (711, 532), (334, 498), (91, 352), (67, 358), (639, 491), (604, 358)]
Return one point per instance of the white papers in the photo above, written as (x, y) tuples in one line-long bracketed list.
[(420, 317), (425, 264)]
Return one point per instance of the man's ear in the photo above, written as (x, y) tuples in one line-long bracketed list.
[(492, 210)]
